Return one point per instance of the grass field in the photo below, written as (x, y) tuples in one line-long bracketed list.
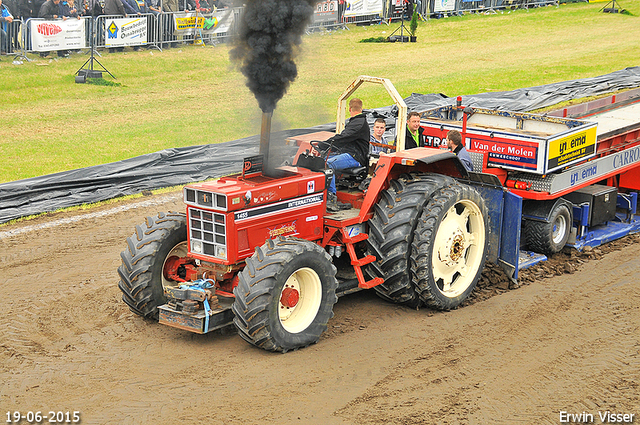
[(194, 95)]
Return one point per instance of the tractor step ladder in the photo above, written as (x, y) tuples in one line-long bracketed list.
[(356, 262)]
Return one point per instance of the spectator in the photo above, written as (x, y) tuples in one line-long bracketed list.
[(352, 145), (68, 9), (13, 7), (454, 143), (37, 6), (13, 28), (205, 7), (200, 6), (92, 8), (153, 6), (51, 10), (218, 4), (114, 7), (169, 6), (5, 20), (27, 9), (132, 7), (414, 138), (377, 138)]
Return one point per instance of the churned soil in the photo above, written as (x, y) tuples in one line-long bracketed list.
[(564, 339)]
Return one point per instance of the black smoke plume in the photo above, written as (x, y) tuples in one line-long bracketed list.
[(269, 38)]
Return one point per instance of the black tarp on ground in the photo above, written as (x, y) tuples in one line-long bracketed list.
[(173, 167)]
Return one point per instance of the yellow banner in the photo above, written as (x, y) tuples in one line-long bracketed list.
[(568, 149), (189, 22)]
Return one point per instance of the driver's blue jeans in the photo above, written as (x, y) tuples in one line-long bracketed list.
[(337, 163)]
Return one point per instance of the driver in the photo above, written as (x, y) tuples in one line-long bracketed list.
[(351, 147)]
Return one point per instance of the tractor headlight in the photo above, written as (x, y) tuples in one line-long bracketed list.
[(196, 246)]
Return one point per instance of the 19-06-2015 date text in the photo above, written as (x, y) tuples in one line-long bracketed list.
[(50, 417)]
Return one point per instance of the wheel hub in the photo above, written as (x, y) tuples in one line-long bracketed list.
[(452, 250), (290, 297)]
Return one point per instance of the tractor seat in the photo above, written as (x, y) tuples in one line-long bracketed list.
[(355, 171)]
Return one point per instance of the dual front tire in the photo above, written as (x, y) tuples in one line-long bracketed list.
[(429, 234)]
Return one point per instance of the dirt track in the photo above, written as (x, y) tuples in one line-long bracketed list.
[(67, 343)]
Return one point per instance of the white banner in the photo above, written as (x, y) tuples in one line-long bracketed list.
[(218, 22), (122, 32), (57, 35), (326, 11), (363, 7), (189, 23), (444, 5)]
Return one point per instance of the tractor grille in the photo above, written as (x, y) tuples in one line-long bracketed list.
[(208, 233), (205, 199)]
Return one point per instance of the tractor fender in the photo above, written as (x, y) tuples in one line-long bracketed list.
[(449, 163), (541, 210)]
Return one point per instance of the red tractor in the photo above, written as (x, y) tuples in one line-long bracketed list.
[(260, 250)]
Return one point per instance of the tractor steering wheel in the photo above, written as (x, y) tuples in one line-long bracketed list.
[(322, 147)]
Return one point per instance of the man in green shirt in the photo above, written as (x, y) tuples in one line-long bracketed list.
[(414, 137)]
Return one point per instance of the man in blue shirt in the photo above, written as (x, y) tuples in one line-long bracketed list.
[(454, 143), (377, 142)]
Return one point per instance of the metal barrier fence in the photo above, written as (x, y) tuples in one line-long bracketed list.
[(115, 32), (484, 6), (163, 30), (373, 19), (10, 39)]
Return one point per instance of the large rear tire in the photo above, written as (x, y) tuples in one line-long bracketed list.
[(142, 279), (285, 295), (450, 246), (548, 238), (391, 232)]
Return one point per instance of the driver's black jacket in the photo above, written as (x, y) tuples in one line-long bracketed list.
[(354, 139)]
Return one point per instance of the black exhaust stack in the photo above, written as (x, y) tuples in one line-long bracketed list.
[(265, 137)]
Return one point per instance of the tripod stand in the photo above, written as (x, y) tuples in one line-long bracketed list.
[(88, 71), (402, 28), (611, 9)]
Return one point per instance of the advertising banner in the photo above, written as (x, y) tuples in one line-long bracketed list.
[(326, 11), (122, 32), (444, 5), (363, 8), (218, 22), (190, 23), (507, 153), (57, 35), (572, 148)]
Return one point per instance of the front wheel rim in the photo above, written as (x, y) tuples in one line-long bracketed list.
[(297, 317), (459, 248), (181, 250)]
